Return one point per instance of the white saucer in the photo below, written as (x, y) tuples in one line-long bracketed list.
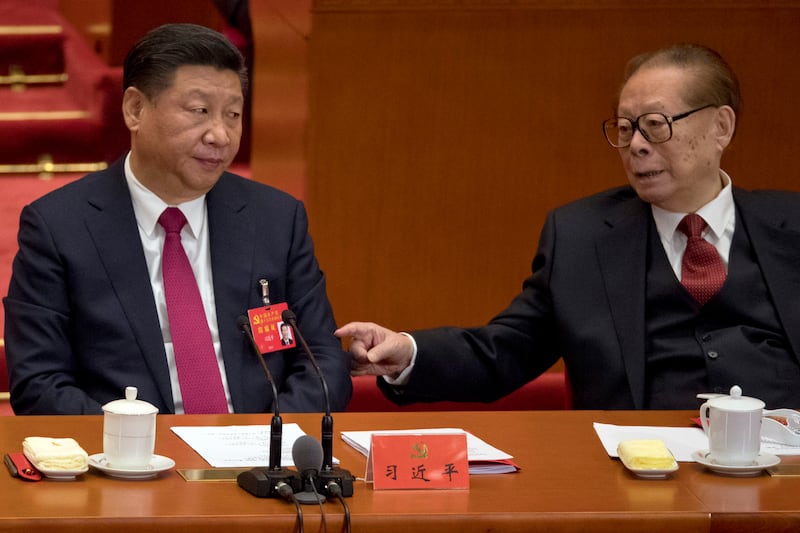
[(762, 462), (61, 475), (158, 463)]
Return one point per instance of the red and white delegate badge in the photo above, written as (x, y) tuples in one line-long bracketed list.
[(269, 329)]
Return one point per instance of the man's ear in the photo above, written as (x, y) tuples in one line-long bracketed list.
[(726, 125), (133, 103)]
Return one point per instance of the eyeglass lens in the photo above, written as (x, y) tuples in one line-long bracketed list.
[(654, 127)]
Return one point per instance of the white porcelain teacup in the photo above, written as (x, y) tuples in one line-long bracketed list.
[(129, 432), (733, 426)]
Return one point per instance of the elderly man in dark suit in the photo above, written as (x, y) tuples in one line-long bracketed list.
[(88, 311), (646, 308)]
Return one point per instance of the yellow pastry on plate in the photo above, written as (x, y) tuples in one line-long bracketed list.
[(55, 454), (650, 454)]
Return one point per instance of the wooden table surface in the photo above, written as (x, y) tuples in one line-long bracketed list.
[(566, 483)]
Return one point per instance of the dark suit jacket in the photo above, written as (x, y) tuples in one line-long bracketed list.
[(585, 301), (81, 320)]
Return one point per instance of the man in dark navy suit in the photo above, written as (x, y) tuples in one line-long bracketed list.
[(607, 291), (86, 314)]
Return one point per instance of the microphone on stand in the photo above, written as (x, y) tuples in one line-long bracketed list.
[(330, 478), (307, 456), (273, 481)]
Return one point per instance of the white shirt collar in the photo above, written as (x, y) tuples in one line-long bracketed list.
[(148, 206), (717, 213)]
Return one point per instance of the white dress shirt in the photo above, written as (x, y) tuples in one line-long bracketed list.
[(194, 236), (719, 214)]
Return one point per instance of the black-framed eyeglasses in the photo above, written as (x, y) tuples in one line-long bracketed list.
[(655, 127)]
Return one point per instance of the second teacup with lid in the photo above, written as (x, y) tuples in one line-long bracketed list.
[(129, 432), (733, 426)]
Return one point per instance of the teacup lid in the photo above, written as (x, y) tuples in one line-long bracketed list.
[(736, 402), (130, 405)]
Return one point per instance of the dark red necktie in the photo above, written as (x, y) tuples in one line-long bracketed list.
[(702, 269), (198, 372)]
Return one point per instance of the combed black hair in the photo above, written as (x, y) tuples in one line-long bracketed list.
[(151, 63)]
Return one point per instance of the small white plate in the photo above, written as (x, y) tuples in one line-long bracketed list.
[(61, 475), (651, 473), (158, 463), (762, 462)]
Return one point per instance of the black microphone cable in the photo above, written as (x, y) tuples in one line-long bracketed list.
[(333, 489), (285, 491), (320, 501), (307, 455)]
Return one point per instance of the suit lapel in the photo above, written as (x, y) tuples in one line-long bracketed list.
[(115, 233), (776, 248), (622, 256), (231, 237)]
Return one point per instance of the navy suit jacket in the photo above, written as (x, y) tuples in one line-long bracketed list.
[(585, 301), (81, 320)]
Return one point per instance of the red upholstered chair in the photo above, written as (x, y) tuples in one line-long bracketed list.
[(550, 391), (5, 404)]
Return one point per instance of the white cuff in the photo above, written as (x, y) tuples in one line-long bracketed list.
[(402, 379)]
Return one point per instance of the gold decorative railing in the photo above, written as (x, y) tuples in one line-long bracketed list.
[(19, 81), (45, 167)]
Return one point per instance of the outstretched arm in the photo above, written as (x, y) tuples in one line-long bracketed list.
[(376, 350)]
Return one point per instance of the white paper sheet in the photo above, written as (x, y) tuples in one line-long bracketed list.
[(682, 442), (238, 446), (775, 448)]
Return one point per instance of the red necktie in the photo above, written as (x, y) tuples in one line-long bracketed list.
[(198, 372), (702, 270)]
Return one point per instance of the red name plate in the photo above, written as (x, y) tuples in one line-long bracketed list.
[(269, 329), (418, 461)]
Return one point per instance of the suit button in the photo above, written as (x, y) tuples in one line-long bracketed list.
[(712, 355)]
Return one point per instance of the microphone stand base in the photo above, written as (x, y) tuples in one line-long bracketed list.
[(263, 482), (340, 476), (309, 498)]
